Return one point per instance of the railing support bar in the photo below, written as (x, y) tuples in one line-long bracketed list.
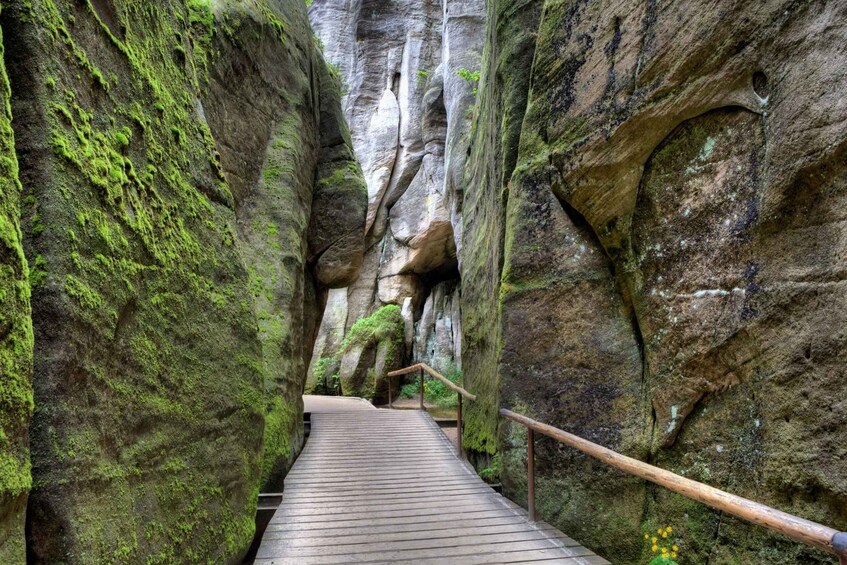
[(530, 472), (422, 391), (459, 426), (389, 394)]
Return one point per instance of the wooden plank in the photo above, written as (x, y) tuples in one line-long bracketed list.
[(306, 538), (421, 522), (389, 497), (293, 549), (586, 560), (335, 492), (493, 550), (444, 536), (409, 511)]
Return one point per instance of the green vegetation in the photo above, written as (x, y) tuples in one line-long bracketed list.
[(16, 340), (435, 391), (470, 76), (337, 78), (326, 379), (384, 324), (491, 473), (381, 331), (423, 76)]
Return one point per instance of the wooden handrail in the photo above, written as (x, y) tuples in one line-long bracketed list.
[(460, 393), (794, 527), (435, 374)]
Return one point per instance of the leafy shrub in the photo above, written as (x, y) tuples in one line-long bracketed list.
[(423, 76), (470, 76)]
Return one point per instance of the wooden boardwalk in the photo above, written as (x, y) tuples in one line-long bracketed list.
[(385, 486)]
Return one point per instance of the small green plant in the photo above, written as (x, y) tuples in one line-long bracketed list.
[(491, 474), (423, 76), (663, 546), (470, 76), (338, 78), (327, 380)]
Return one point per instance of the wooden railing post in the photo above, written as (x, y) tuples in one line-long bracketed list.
[(530, 472), (389, 393), (459, 426), (422, 391)]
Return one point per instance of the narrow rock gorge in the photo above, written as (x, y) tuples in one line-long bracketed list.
[(623, 219), (409, 71)]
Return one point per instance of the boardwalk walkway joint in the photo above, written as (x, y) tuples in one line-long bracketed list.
[(385, 486)]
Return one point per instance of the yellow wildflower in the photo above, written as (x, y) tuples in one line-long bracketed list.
[(673, 555), (664, 534), (655, 548), (646, 536), (675, 548), (659, 530), (654, 539), (669, 530)]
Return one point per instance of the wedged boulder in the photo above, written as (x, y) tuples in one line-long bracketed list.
[(16, 343), (373, 347)]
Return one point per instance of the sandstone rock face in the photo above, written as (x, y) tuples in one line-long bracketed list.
[(188, 179), (286, 151), (409, 112), (15, 344), (666, 202)]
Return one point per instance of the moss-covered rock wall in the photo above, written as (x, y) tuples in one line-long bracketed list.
[(15, 344), (146, 441), (275, 115), (170, 155)]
